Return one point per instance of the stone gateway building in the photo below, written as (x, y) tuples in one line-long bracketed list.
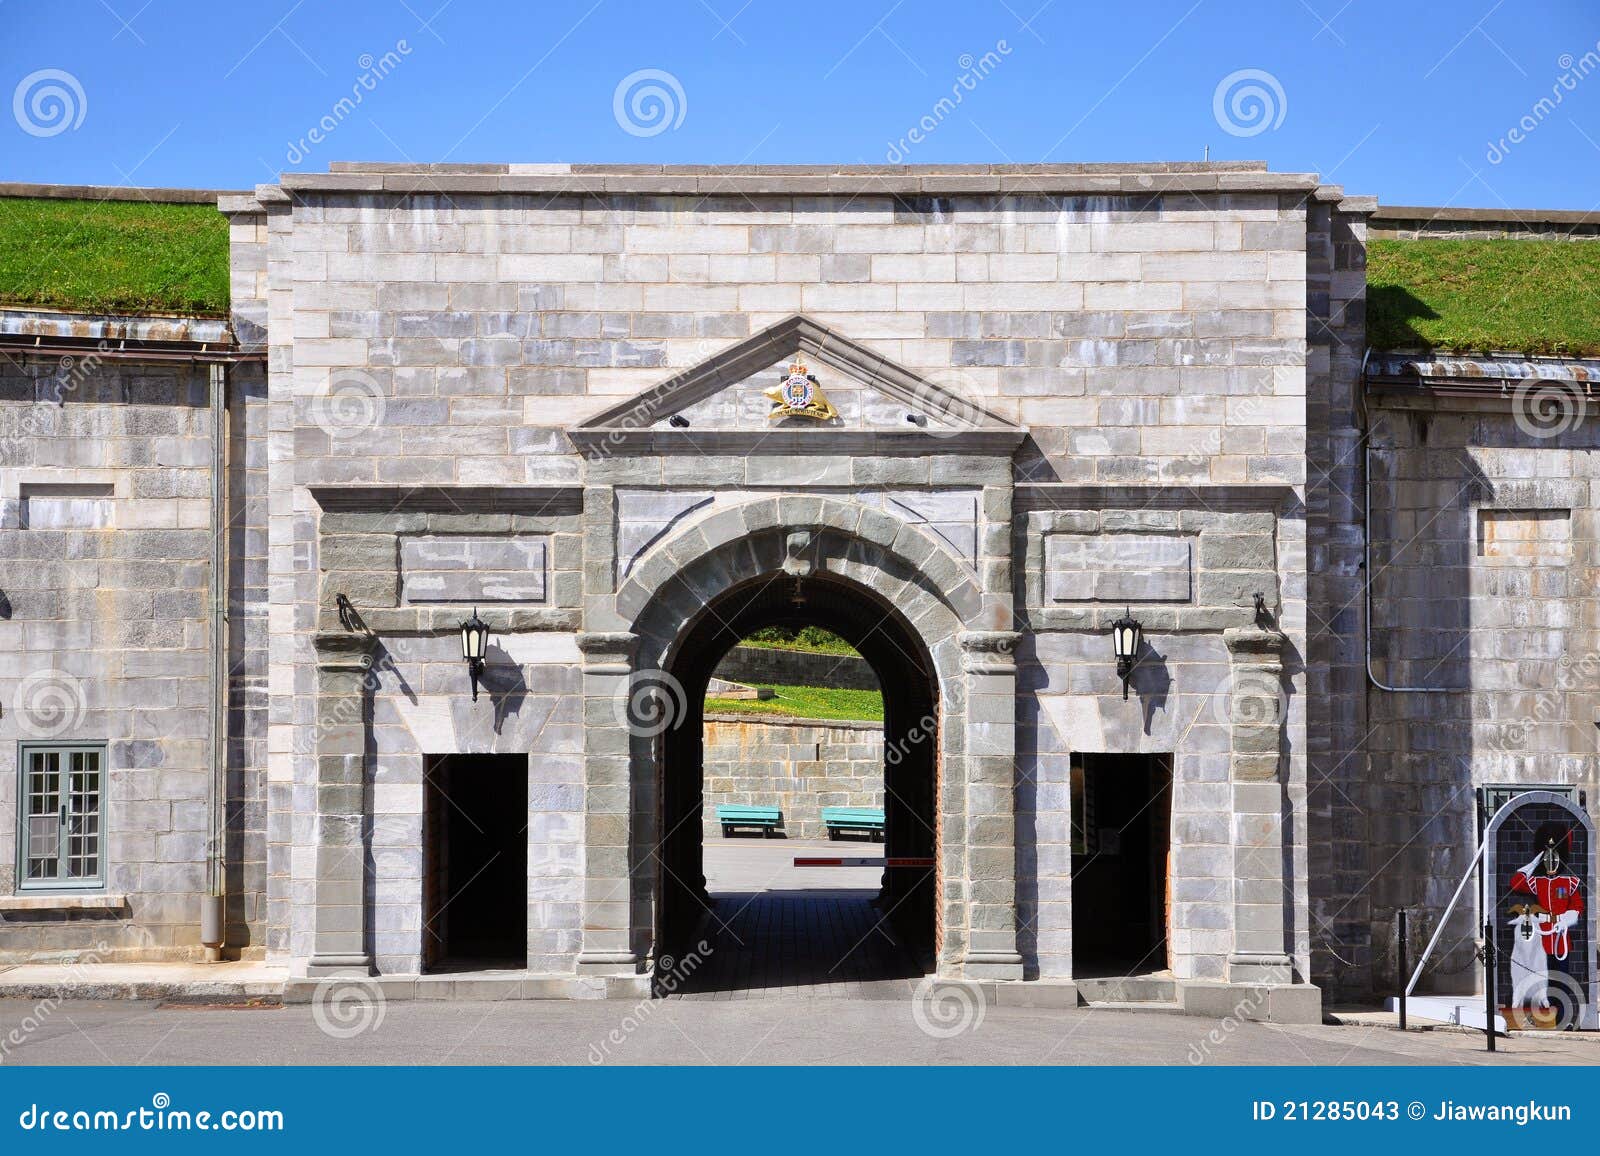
[(236, 555)]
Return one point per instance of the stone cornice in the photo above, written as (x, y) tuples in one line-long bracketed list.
[(344, 650), (799, 180), (551, 500), (620, 442), (1254, 644)]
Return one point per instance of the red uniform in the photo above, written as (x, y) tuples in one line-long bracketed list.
[(1559, 895)]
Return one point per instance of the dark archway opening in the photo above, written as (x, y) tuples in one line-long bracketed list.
[(807, 938)]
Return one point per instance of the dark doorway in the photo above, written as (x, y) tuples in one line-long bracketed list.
[(821, 938), (475, 862), (1121, 847)]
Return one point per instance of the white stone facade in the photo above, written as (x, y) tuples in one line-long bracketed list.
[(1064, 391)]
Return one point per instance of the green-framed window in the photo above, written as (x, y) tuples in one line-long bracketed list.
[(61, 816)]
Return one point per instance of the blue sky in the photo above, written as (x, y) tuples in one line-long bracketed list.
[(1411, 101)]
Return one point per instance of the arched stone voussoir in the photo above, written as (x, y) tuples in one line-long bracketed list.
[(875, 542)]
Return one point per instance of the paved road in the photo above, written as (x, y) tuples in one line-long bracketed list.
[(769, 1031), (757, 864)]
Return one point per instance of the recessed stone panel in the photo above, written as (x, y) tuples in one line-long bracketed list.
[(465, 568), (1118, 568)]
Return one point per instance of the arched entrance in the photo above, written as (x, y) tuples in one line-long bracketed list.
[(864, 568), (904, 912)]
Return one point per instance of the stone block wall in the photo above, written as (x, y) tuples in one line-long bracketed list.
[(1148, 329), (1182, 698), (773, 665), (105, 586), (1337, 853), (799, 768), (1484, 542)]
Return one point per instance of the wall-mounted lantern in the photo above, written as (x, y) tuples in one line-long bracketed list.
[(474, 645), (1126, 635)]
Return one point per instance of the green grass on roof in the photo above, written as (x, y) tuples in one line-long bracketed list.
[(1530, 296), (113, 256)]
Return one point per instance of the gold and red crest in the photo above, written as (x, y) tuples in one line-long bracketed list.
[(799, 394)]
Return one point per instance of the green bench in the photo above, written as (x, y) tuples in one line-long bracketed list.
[(868, 819), (768, 819)]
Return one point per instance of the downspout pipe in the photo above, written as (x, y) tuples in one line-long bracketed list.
[(213, 922), (1366, 552)]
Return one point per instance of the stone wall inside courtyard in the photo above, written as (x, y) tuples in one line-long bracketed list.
[(796, 765)]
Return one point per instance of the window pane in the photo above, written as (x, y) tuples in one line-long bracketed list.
[(44, 846), (83, 817)]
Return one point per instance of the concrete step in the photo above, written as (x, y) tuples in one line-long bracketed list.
[(1129, 989), (1148, 1005)]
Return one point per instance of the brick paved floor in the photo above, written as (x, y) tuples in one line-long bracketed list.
[(781, 930)]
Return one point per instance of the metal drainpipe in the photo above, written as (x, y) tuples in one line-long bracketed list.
[(1366, 546), (212, 922)]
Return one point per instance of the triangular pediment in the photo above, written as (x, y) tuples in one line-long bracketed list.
[(728, 395)]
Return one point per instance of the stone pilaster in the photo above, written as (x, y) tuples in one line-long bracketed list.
[(1256, 708), (344, 687), (989, 669), (608, 891)]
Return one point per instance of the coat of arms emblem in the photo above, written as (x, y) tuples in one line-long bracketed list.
[(799, 394)]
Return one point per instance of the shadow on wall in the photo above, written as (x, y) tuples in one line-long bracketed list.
[(1150, 682), (505, 683)]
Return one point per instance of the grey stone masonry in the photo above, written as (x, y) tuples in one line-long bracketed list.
[(105, 592), (468, 568)]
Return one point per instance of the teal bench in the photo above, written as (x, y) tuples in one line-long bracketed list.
[(868, 819), (768, 819)]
